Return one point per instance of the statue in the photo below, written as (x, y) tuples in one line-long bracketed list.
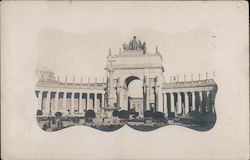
[(156, 50), (110, 51), (139, 44), (130, 45), (144, 48), (135, 45), (124, 46)]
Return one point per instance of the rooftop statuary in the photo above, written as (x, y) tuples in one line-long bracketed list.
[(135, 45)]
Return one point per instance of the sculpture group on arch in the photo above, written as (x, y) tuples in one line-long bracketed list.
[(135, 45), (107, 105)]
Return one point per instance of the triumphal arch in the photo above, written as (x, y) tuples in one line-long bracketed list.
[(134, 63)]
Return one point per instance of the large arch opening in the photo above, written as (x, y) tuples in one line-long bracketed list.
[(130, 79), (135, 94)]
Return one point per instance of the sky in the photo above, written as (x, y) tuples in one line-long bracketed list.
[(84, 55)]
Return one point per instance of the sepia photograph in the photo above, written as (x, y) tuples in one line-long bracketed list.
[(124, 80), (134, 92)]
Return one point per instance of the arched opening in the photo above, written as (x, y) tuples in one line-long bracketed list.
[(135, 94), (130, 79), (135, 88)]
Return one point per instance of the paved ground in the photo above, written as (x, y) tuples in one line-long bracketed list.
[(140, 126)]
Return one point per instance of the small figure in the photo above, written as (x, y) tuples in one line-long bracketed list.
[(156, 50), (130, 45), (144, 48), (110, 51), (139, 44), (48, 123), (45, 127), (134, 43), (125, 47)]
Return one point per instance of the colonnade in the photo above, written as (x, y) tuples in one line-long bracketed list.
[(181, 103), (69, 103)]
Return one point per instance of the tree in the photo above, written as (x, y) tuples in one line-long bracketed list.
[(207, 117), (115, 113), (148, 113), (159, 117), (58, 114), (123, 114), (194, 114), (132, 111), (90, 114), (171, 115), (75, 119), (39, 112), (135, 114)]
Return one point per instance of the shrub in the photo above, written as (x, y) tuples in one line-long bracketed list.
[(171, 115), (132, 111), (53, 121), (148, 113), (115, 113), (207, 117), (194, 114), (90, 114), (159, 116), (39, 112), (58, 114), (136, 114), (123, 114), (75, 119)]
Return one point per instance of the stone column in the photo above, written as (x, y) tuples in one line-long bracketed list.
[(172, 103), (121, 97), (212, 101), (200, 104), (148, 98), (87, 99), (160, 100), (156, 94), (165, 108), (56, 102), (80, 107), (193, 101), (64, 102), (204, 101), (103, 99), (163, 103), (111, 90), (179, 108), (95, 103), (91, 102), (48, 105), (168, 103), (186, 102), (144, 97), (72, 102), (40, 101), (207, 102), (118, 93), (156, 99)]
